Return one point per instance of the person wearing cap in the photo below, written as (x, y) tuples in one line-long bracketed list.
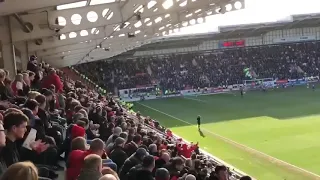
[(118, 155), (135, 159)]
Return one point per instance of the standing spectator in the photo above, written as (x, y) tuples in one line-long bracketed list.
[(133, 145), (145, 173), (21, 170), (91, 169), (118, 155), (135, 159), (163, 160), (175, 167), (54, 79)]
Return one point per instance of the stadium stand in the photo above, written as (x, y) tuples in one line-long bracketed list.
[(43, 124), (208, 69), (69, 124)]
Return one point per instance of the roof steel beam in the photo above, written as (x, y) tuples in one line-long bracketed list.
[(120, 15), (15, 6)]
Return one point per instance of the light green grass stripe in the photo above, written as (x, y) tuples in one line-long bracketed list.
[(306, 173)]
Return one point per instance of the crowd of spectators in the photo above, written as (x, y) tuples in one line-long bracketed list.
[(208, 69), (48, 120)]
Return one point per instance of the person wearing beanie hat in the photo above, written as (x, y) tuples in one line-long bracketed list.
[(77, 131), (118, 155)]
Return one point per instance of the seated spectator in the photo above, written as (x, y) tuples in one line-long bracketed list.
[(118, 155), (33, 94), (133, 145), (3, 166), (21, 170), (53, 131), (78, 143), (162, 174), (5, 92), (31, 77), (221, 173), (16, 125), (26, 83), (2, 135), (124, 135), (92, 167), (76, 157), (107, 170), (135, 159), (17, 85)]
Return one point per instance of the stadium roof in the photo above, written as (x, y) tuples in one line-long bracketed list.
[(228, 32), (67, 32)]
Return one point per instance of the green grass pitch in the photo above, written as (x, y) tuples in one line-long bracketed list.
[(281, 123)]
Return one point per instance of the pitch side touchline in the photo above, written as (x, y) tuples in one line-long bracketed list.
[(234, 142)]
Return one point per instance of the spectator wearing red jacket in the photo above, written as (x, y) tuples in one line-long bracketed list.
[(186, 150), (54, 79), (76, 158)]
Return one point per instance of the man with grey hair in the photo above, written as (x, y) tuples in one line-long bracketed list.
[(190, 177), (153, 149), (117, 131), (162, 174)]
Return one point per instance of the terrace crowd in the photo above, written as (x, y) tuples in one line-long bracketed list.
[(208, 69), (47, 119)]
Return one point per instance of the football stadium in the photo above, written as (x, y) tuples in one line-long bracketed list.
[(159, 90)]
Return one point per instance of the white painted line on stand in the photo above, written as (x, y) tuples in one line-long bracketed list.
[(238, 144)]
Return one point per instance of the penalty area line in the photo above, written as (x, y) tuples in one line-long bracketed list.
[(248, 149)]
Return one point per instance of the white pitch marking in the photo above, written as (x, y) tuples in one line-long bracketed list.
[(234, 142)]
